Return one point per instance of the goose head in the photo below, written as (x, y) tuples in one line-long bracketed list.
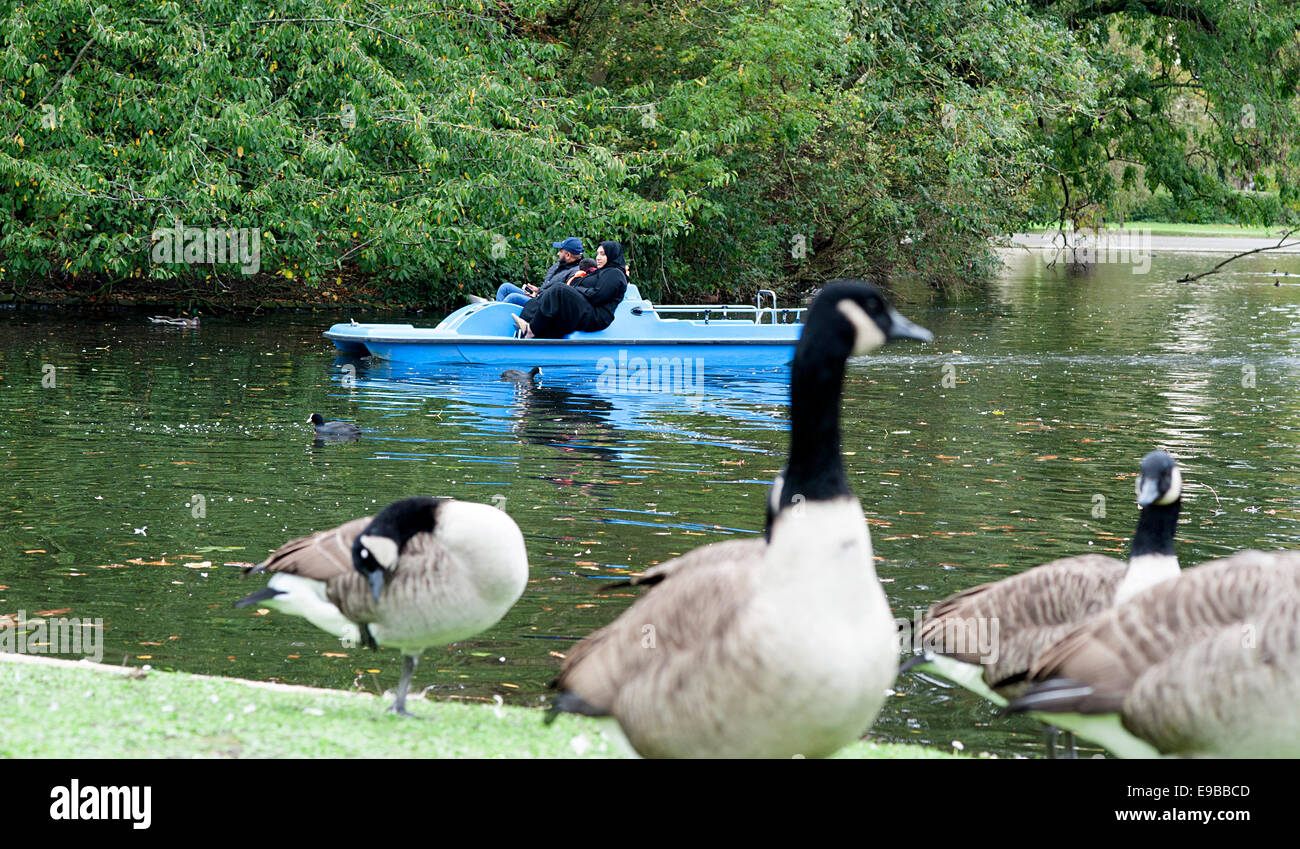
[(850, 318), (377, 549), (1159, 482), (1151, 556)]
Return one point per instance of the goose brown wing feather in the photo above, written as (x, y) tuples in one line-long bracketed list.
[(417, 582), (690, 610), (739, 551), (1032, 610), (320, 556), (1112, 652), (1220, 683)]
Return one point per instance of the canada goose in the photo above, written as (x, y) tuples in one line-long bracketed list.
[(514, 375), (986, 638), (423, 572), (333, 429), (1208, 664), (763, 648)]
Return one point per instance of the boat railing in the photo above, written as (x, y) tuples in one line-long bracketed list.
[(756, 312)]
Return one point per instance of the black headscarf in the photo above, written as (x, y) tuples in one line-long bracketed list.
[(614, 254)]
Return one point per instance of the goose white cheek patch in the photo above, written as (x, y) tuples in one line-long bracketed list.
[(1175, 487), (383, 549), (867, 335)]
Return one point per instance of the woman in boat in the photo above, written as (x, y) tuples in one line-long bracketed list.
[(585, 304)]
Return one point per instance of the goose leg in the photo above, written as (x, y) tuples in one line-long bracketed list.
[(1070, 752), (1051, 741), (409, 662)]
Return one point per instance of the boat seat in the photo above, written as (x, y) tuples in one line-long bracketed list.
[(494, 318), (625, 321)]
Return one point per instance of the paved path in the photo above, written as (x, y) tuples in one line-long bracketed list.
[(1137, 240)]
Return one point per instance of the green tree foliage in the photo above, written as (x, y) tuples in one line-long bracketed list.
[(839, 138), (405, 142), (1198, 102), (435, 147)]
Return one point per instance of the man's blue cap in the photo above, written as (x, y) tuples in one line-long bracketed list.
[(572, 244)]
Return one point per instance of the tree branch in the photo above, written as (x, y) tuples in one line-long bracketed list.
[(1188, 278)]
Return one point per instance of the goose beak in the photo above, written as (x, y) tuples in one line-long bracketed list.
[(376, 579), (903, 328), (1147, 492)]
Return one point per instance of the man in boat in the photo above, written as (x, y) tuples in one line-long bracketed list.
[(587, 304), (568, 255)]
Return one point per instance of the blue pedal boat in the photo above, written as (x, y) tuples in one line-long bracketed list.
[(716, 337)]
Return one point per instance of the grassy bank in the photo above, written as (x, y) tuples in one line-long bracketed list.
[(61, 709)]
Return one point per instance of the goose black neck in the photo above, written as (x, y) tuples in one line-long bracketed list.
[(1156, 527), (816, 469)]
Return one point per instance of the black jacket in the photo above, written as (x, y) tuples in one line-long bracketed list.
[(604, 289), (558, 274)]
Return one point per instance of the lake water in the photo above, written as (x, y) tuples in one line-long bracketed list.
[(160, 458)]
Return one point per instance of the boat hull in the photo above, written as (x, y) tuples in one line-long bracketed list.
[(484, 334)]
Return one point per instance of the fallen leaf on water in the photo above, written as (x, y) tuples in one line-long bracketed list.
[(332, 654), (35, 551), (511, 686), (560, 655), (59, 612), (261, 611), (580, 606)]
